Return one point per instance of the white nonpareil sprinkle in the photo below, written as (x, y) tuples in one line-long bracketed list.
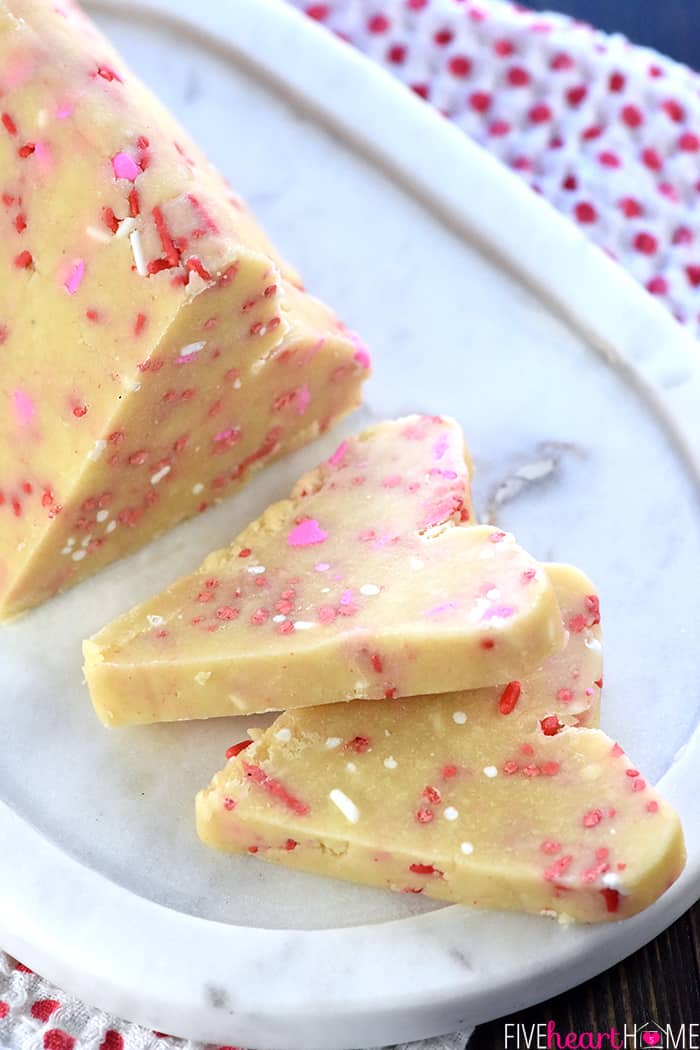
[(611, 880), (236, 384), (199, 487), (102, 515), (155, 621), (346, 805), (111, 527), (78, 555), (284, 735), (256, 570), (333, 741), (303, 625), (351, 767), (490, 771), (466, 848), (70, 542), (390, 762), (459, 717), (369, 589), (160, 474), (97, 450), (279, 618), (137, 252), (450, 813), (193, 348)]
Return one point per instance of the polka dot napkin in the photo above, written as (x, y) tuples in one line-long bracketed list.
[(609, 133)]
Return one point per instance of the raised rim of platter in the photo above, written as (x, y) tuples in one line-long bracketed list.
[(409, 977)]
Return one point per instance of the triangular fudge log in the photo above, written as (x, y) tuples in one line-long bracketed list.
[(155, 347), (370, 581), (483, 798)]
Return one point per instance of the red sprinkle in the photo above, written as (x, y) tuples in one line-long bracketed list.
[(236, 749), (26, 150), (139, 324), (551, 725), (611, 898), (24, 260), (171, 253), (276, 789), (358, 744), (9, 124), (509, 697), (424, 815), (592, 818), (432, 795), (424, 869)]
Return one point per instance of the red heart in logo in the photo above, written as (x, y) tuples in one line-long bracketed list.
[(651, 1038)]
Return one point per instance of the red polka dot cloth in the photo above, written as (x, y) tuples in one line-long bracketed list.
[(609, 133)]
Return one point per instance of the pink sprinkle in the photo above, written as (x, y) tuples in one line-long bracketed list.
[(64, 111), (24, 407), (322, 566), (444, 607), (75, 277), (362, 357), (500, 611), (440, 446), (337, 456), (302, 399), (346, 598), (125, 167), (42, 156), (306, 533)]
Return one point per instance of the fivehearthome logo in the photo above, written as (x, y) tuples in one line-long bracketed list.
[(650, 1035)]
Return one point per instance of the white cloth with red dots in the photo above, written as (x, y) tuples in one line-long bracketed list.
[(609, 133)]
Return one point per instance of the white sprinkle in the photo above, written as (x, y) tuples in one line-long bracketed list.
[(612, 831), (279, 618), (66, 550), (199, 487), (132, 384), (325, 590), (137, 252), (126, 227), (303, 625), (333, 741), (41, 118), (193, 348), (155, 621), (202, 677), (111, 527), (78, 555), (346, 806), (97, 450), (369, 589), (493, 594), (284, 735), (466, 848), (611, 879), (490, 771), (86, 539), (417, 563), (594, 644), (236, 384), (459, 717), (97, 235), (390, 762), (450, 813), (102, 515), (160, 474), (351, 767), (321, 566), (70, 542), (256, 570)]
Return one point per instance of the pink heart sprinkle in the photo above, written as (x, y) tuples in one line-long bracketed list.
[(306, 533)]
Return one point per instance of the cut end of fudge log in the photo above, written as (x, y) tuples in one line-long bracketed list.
[(156, 348), (483, 810), (369, 582)]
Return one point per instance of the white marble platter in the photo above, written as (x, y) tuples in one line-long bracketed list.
[(481, 302)]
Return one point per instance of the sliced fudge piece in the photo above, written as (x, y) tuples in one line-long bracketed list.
[(370, 581), (156, 349), (486, 798)]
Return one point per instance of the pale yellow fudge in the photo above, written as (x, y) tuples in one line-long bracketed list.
[(493, 798), (369, 582), (155, 347)]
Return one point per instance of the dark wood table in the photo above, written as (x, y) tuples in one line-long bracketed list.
[(662, 981)]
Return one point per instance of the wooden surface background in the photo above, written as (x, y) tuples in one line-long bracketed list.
[(662, 981)]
